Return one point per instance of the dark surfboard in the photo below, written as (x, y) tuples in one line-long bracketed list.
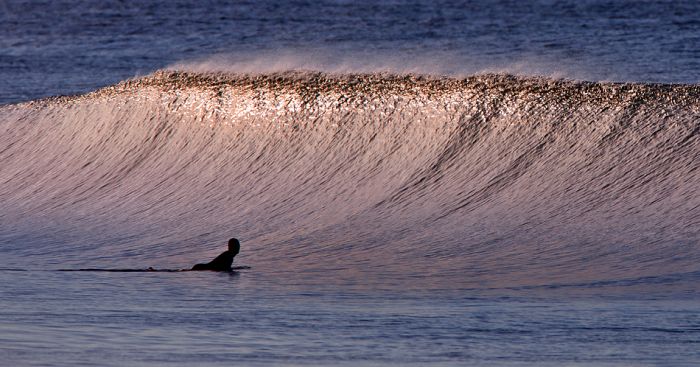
[(148, 270)]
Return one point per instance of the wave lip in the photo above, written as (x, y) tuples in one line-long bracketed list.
[(310, 82)]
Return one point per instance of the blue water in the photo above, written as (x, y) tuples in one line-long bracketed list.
[(508, 214), (116, 319), (66, 47)]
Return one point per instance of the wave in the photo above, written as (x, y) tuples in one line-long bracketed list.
[(489, 180)]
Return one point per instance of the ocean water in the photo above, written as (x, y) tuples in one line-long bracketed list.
[(413, 183)]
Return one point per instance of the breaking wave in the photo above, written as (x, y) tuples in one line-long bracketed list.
[(483, 181)]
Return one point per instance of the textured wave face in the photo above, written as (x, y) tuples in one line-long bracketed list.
[(488, 181)]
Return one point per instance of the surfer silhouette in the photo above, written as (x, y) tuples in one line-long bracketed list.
[(223, 261)]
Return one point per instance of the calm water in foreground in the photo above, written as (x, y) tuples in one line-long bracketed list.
[(116, 319)]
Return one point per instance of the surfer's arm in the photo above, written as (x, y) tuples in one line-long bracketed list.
[(223, 261)]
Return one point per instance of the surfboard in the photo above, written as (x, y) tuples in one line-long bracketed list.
[(147, 270)]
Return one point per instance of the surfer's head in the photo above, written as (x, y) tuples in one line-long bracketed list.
[(234, 246)]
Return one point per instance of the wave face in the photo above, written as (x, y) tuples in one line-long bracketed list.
[(487, 181)]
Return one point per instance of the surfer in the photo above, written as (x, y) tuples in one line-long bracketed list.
[(223, 261)]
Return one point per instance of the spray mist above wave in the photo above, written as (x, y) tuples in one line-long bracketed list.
[(488, 180), (368, 61)]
